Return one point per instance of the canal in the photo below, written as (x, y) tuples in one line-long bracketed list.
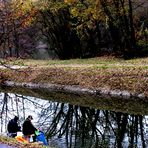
[(78, 121)]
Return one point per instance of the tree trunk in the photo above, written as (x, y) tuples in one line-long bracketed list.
[(133, 40)]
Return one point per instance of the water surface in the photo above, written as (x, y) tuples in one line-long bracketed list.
[(81, 123)]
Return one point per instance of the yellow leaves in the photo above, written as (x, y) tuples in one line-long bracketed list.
[(22, 12), (20, 8), (70, 1), (74, 12), (89, 10)]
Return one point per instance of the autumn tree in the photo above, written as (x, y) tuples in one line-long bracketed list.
[(54, 23), (16, 16), (105, 24), (72, 28), (76, 23), (141, 25)]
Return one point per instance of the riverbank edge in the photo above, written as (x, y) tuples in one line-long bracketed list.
[(102, 92), (12, 142)]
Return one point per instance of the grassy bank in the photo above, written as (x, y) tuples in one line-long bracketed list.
[(15, 143), (109, 73)]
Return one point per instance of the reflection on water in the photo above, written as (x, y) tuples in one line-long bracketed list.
[(71, 126)]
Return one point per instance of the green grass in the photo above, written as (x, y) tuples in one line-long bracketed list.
[(61, 62), (96, 62)]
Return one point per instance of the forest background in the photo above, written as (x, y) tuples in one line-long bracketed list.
[(74, 28)]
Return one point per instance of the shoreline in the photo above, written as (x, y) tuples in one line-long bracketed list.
[(118, 101), (98, 76), (102, 92)]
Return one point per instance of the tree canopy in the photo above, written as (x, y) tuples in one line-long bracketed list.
[(75, 29)]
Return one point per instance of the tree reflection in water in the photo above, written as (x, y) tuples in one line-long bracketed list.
[(79, 126)]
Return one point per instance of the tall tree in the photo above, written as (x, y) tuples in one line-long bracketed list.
[(15, 17)]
